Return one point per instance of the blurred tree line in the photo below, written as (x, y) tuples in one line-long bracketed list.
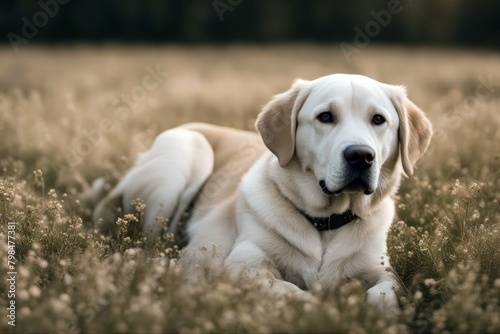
[(468, 22)]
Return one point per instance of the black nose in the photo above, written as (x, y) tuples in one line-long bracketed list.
[(360, 157)]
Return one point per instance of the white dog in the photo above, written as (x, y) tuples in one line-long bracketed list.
[(314, 207)]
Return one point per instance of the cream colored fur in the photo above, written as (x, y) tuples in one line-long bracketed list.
[(248, 191)]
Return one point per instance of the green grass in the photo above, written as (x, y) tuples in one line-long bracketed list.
[(444, 245)]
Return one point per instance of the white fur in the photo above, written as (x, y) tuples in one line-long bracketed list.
[(167, 178), (258, 226)]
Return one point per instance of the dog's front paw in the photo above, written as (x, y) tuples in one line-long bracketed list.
[(383, 295)]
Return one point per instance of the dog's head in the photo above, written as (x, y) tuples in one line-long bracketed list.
[(346, 129)]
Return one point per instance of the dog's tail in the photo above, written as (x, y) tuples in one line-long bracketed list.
[(167, 177)]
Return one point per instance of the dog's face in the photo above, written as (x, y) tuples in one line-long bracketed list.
[(345, 129)]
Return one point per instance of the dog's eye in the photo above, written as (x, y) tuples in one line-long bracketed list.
[(326, 117), (378, 119)]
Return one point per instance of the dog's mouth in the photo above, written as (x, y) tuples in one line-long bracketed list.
[(357, 185)]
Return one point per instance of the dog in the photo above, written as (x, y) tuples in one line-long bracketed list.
[(307, 201)]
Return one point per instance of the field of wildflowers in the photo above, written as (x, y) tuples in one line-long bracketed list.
[(70, 114)]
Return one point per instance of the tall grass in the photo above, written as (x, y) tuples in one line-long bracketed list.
[(444, 244)]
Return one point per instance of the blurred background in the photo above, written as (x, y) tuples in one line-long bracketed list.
[(445, 22)]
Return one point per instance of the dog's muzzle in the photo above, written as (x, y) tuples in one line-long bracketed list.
[(359, 160)]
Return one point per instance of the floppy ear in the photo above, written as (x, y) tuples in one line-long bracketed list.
[(415, 129), (278, 121)]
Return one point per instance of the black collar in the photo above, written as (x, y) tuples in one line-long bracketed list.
[(333, 222)]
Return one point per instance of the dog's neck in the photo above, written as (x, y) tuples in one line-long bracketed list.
[(311, 202)]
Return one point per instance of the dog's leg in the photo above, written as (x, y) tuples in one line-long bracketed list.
[(167, 178), (383, 294), (247, 260), (211, 238), (383, 285)]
